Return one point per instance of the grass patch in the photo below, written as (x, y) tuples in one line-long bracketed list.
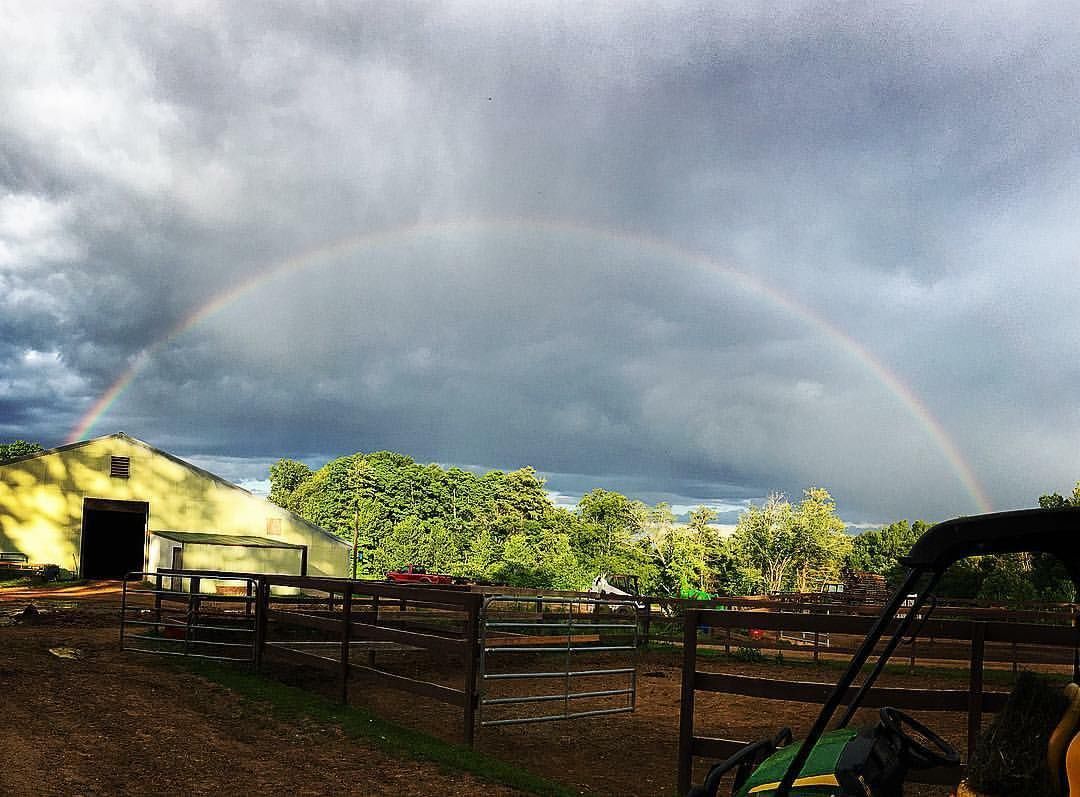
[(291, 703), (24, 581), (38, 582)]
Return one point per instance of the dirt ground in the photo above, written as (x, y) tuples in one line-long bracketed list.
[(636, 754), (123, 723), (119, 723)]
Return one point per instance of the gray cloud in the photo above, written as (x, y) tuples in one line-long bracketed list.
[(907, 174)]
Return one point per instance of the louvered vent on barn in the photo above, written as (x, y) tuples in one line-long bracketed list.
[(120, 467)]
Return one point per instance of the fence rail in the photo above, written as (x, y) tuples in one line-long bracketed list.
[(181, 620), (363, 618), (838, 632)]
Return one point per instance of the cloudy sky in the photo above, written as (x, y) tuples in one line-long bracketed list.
[(692, 252)]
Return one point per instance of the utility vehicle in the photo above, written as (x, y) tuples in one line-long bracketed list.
[(415, 574), (874, 761)]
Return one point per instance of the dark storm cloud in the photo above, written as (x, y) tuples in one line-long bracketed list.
[(906, 173)]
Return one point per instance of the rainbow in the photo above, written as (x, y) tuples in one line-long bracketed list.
[(656, 247)]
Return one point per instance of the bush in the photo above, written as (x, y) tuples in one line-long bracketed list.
[(748, 654)]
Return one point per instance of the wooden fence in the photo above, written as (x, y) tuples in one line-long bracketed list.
[(974, 634), (665, 623), (338, 626), (360, 617)]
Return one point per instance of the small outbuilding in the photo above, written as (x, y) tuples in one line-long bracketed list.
[(113, 505)]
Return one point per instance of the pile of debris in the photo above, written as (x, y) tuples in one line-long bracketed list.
[(861, 587)]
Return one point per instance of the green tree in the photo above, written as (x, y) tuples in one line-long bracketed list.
[(879, 550), (765, 540), (1057, 501), (701, 518), (820, 541), (367, 511), (286, 476), (520, 566), (483, 553), (614, 516), (679, 554), (729, 572), (18, 448), (1007, 580)]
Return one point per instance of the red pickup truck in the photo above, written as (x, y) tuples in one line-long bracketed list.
[(414, 574)]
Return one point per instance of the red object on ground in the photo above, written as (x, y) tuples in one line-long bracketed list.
[(414, 574), (756, 633)]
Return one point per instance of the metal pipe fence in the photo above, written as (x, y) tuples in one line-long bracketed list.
[(515, 630), (179, 619), (350, 628)]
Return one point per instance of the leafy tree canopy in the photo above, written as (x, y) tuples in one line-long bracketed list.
[(18, 448)]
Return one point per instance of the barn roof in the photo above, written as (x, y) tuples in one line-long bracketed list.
[(182, 462)]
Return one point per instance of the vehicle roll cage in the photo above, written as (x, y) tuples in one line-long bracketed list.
[(1049, 531)]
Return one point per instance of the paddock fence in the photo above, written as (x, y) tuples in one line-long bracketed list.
[(662, 622), (1043, 642), (173, 616), (402, 636), (346, 626)]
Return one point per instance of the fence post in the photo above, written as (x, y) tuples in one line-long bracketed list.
[(157, 603), (187, 624), (975, 685), (472, 651), (123, 610), (686, 706), (374, 621), (194, 606), (346, 639), (646, 623), (262, 608), (1076, 646)]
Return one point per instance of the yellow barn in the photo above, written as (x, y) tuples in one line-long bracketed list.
[(112, 505)]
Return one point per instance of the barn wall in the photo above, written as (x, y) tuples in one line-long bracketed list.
[(41, 501), (283, 561)]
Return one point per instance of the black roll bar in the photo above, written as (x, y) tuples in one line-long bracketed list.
[(890, 647), (866, 648), (1050, 531)]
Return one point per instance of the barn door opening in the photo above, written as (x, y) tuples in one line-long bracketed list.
[(113, 537)]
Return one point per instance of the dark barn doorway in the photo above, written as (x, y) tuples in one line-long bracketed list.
[(113, 537)]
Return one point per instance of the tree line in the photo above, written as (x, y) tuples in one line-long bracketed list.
[(502, 527)]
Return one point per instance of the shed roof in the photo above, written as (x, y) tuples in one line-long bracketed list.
[(235, 540)]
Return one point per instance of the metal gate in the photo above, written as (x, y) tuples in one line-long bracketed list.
[(171, 615), (568, 645)]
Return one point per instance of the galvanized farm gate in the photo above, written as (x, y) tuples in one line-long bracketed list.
[(537, 650), (170, 615)]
